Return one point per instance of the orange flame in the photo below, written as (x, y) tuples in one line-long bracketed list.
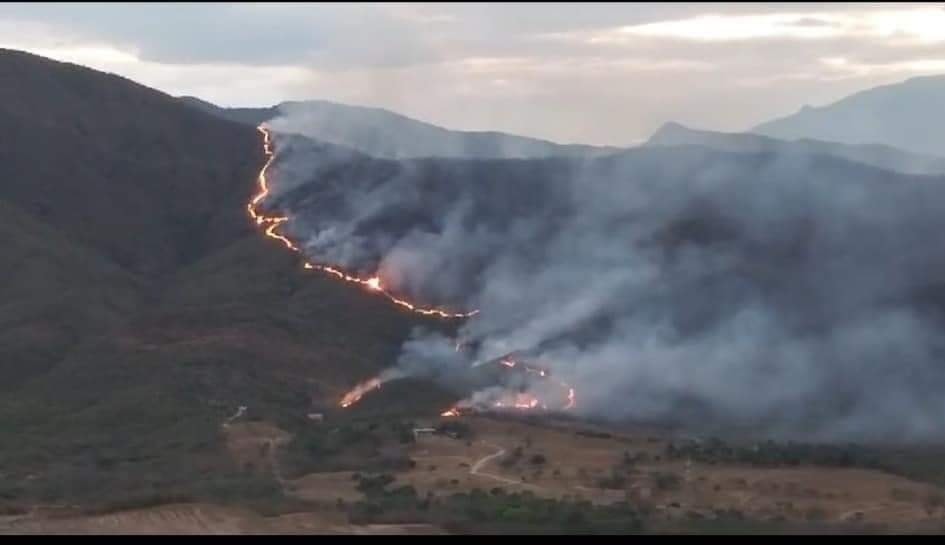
[(271, 231), (522, 401), (358, 392)]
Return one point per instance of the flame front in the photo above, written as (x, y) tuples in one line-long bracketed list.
[(521, 401), (358, 392), (273, 223)]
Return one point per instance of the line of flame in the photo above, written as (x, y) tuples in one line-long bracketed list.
[(520, 401), (358, 392), (271, 231)]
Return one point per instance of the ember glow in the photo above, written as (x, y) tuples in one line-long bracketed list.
[(273, 223), (358, 392), (519, 401)]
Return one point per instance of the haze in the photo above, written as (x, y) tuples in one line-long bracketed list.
[(604, 74)]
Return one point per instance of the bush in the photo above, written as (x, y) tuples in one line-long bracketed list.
[(615, 482), (370, 486), (666, 481), (455, 429), (815, 514), (935, 500)]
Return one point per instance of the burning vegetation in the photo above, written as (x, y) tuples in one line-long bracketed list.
[(519, 399), (273, 223), (524, 387)]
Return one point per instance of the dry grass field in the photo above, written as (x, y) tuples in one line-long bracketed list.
[(550, 459)]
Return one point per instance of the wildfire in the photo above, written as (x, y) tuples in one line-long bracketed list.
[(358, 392), (273, 223), (520, 401)]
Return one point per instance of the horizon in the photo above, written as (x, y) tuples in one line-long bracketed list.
[(610, 74), (634, 143), (366, 269)]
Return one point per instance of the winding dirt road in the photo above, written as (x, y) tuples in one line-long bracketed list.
[(239, 412), (476, 468)]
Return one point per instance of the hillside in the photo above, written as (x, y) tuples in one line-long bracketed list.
[(140, 310), (149, 184), (386, 134), (247, 116), (907, 115), (886, 157), (815, 244), (54, 292), (140, 306)]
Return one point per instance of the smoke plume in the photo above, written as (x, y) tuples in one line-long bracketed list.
[(793, 294)]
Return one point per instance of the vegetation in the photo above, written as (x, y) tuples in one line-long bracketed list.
[(918, 462), (666, 481), (362, 444), (144, 307), (773, 454), (494, 511), (537, 459)]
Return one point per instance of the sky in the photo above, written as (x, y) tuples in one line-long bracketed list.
[(605, 74)]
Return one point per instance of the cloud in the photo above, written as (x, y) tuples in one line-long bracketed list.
[(915, 25), (612, 73)]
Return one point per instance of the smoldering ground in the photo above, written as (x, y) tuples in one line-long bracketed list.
[(795, 294)]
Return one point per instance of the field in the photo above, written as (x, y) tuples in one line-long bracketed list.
[(458, 481)]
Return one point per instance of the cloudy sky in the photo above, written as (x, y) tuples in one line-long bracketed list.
[(594, 73)]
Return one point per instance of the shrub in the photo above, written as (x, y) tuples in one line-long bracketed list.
[(666, 481)]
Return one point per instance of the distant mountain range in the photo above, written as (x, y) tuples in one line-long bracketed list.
[(381, 133), (908, 115), (893, 127), (878, 155)]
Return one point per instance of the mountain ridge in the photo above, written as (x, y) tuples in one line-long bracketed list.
[(896, 115), (877, 155), (387, 134)]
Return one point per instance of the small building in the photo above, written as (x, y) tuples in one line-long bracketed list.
[(423, 432)]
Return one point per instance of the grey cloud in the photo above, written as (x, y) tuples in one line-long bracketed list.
[(415, 59)]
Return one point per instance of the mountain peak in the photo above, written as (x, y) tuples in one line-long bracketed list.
[(669, 132), (907, 115)]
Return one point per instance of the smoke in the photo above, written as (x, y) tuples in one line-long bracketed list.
[(795, 295), (380, 133)]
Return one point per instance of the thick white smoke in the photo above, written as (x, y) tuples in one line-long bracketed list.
[(796, 294)]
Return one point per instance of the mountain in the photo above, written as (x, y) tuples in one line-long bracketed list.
[(907, 115), (247, 116), (386, 134), (881, 156), (140, 307), (809, 244), (121, 168)]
